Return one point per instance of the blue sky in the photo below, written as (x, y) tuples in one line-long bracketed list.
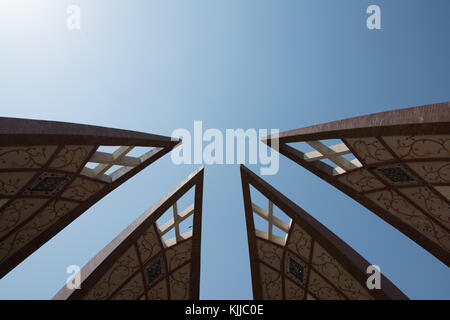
[(156, 66)]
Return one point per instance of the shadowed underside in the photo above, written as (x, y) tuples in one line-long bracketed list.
[(310, 262), (52, 172), (140, 264), (396, 164)]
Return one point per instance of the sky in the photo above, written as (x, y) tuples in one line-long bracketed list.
[(159, 65)]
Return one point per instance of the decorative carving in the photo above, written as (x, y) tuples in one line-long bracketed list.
[(432, 172), (25, 157), (179, 283), (430, 202), (71, 158), (299, 242), (148, 244), (271, 283), (402, 209), (178, 254), (293, 291), (361, 180), (18, 211), (39, 223), (333, 271), (322, 289), (158, 291), (419, 147), (369, 150), (131, 290), (12, 182), (270, 253), (82, 189), (124, 267)]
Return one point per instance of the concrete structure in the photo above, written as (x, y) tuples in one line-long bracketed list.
[(309, 262), (140, 264), (52, 172), (395, 163)]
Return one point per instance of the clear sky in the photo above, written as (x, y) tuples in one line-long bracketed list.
[(156, 66)]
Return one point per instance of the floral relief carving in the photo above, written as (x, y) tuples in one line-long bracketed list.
[(115, 276), (402, 209), (82, 189), (332, 270), (430, 202), (71, 158), (178, 254), (50, 214), (158, 291), (25, 157), (179, 283), (361, 180), (270, 253), (18, 211), (299, 242), (293, 291), (131, 290), (39, 223), (271, 283), (433, 172), (148, 244), (369, 150), (322, 289), (13, 182), (417, 147)]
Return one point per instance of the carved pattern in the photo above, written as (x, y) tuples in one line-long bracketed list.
[(179, 283), (299, 242), (12, 182), (71, 158), (18, 211), (25, 157), (432, 172), (82, 189), (132, 290), (148, 244), (115, 276), (158, 291), (44, 219), (418, 147), (369, 150), (322, 289), (293, 291), (270, 253), (271, 283), (399, 207), (333, 271), (361, 180), (178, 254), (430, 202)]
